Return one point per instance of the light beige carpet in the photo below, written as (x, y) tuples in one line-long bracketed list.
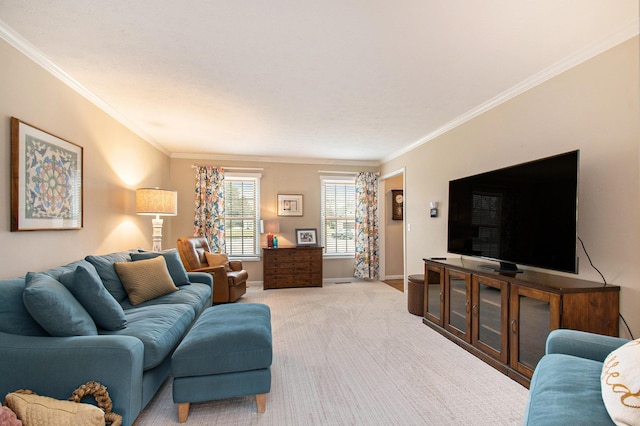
[(351, 354)]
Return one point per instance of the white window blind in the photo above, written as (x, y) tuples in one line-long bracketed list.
[(338, 215), (242, 198)]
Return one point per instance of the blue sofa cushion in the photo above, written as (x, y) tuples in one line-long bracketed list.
[(85, 284), (195, 295), (107, 272), (159, 327), (174, 264), (55, 308), (561, 381), (14, 317), (226, 338)]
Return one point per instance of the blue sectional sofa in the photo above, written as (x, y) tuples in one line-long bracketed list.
[(566, 387), (54, 337)]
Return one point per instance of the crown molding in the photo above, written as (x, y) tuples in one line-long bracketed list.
[(30, 51), (625, 33), (267, 159)]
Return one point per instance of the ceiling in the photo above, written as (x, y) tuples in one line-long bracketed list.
[(329, 80)]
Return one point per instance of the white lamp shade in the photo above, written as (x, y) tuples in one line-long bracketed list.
[(156, 201), (272, 226)]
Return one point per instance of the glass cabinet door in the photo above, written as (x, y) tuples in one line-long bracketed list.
[(533, 314), (433, 294), (490, 316), (457, 287)]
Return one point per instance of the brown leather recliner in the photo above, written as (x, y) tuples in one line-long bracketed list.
[(229, 284)]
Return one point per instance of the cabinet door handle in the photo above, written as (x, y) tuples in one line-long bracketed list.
[(474, 310), (466, 307), (514, 326)]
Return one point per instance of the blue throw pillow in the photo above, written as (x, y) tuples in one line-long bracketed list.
[(107, 272), (174, 264), (87, 287), (14, 317), (55, 308)]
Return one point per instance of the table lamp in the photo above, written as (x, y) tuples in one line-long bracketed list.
[(271, 227), (158, 202)]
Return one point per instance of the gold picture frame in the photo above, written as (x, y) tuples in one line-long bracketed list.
[(46, 180)]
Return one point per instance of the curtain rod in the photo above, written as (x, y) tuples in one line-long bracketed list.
[(336, 172), (244, 169)]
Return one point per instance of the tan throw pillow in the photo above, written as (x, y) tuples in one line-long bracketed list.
[(35, 410), (214, 259), (145, 279), (621, 384)]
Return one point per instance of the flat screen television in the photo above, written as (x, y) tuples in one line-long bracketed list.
[(524, 214)]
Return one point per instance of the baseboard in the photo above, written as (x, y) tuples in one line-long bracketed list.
[(394, 277), (343, 280)]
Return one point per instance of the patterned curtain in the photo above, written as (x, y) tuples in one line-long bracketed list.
[(209, 207), (367, 255)]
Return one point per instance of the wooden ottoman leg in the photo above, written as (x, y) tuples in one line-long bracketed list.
[(183, 411), (261, 402)]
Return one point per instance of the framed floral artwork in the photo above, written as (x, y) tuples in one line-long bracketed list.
[(46, 180)]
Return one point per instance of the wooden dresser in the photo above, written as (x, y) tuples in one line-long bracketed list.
[(287, 267)]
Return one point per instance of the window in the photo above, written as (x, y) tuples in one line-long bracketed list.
[(338, 216), (242, 198)]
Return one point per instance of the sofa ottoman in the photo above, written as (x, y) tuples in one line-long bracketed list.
[(227, 353)]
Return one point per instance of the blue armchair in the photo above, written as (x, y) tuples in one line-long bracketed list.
[(565, 387)]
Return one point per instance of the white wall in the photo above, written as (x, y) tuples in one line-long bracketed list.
[(593, 107), (116, 161)]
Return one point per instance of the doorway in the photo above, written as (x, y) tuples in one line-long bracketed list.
[(394, 264)]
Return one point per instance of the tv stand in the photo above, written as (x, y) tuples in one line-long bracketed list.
[(505, 268), (504, 318)]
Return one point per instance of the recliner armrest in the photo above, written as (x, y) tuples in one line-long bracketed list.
[(210, 269), (582, 344), (235, 265)]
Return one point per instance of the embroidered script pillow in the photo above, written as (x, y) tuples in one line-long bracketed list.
[(621, 384)]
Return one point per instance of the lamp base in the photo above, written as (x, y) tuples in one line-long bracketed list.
[(157, 233)]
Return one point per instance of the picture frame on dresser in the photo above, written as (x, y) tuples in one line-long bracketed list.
[(306, 237), (46, 180)]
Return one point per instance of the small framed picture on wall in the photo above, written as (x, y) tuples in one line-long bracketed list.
[(397, 203), (289, 205)]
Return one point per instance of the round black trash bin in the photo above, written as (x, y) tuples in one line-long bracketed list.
[(415, 297)]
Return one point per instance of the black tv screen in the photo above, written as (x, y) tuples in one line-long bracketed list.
[(525, 214)]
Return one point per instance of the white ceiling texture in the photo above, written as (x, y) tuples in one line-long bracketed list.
[(324, 80)]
